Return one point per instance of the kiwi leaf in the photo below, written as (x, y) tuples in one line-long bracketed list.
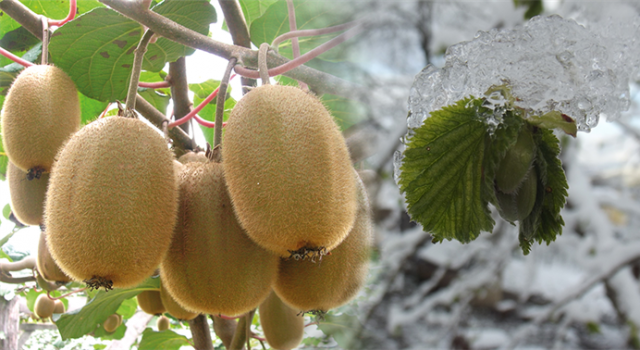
[(162, 340), (77, 323), (449, 168)]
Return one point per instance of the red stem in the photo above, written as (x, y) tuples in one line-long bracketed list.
[(195, 111), (294, 41), (105, 110), (15, 58), (157, 85), (228, 317), (249, 73), (73, 9), (66, 295)]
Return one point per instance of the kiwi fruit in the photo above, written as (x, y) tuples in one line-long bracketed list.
[(44, 306), (58, 307), (288, 171), (27, 195), (112, 323), (191, 156), (162, 323), (517, 162), (39, 114), (150, 302), (337, 278), (111, 204), (283, 326), (47, 267), (173, 308), (212, 267)]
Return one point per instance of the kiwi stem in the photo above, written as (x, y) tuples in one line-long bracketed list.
[(45, 40), (222, 97), (66, 295), (15, 58), (135, 73), (295, 63), (239, 31), (263, 67), (240, 335), (201, 333), (294, 41), (26, 263), (156, 85), (73, 9), (195, 111), (311, 32)]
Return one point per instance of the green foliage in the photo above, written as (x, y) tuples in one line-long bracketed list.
[(342, 328), (9, 72), (534, 7), (449, 168), (76, 323), (165, 340), (90, 109), (201, 91)]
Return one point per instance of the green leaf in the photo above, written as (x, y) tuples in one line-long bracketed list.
[(534, 7), (555, 120), (545, 223), (90, 108), (442, 173), (342, 328), (252, 9), (77, 323), (17, 41), (165, 340), (128, 308), (158, 100), (96, 50), (345, 112), (31, 295), (309, 15), (99, 332), (201, 91), (193, 14), (6, 211)]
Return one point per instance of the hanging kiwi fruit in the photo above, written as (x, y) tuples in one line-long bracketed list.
[(112, 323), (211, 261), (44, 306), (150, 302), (337, 278), (111, 205), (283, 326), (291, 180), (45, 264), (27, 196), (173, 308), (41, 111)]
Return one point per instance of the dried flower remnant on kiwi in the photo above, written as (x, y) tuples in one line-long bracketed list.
[(310, 254), (97, 282)]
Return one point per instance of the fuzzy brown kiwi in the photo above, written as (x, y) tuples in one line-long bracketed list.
[(211, 261), (173, 308), (47, 267), (44, 306), (112, 323), (27, 195), (283, 326), (150, 302), (162, 323), (335, 279), (193, 157), (39, 114), (58, 308), (288, 171), (112, 202)]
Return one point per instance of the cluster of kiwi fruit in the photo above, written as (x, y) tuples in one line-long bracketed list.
[(278, 217)]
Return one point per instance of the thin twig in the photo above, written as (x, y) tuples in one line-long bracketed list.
[(73, 9), (239, 32), (294, 41), (15, 58), (263, 68), (311, 32), (135, 72), (45, 41), (222, 97)]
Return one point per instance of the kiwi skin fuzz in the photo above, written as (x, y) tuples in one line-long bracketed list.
[(47, 267), (112, 323), (288, 171), (211, 261), (150, 302), (111, 206), (39, 114), (283, 326), (336, 279), (44, 306), (27, 195), (173, 308)]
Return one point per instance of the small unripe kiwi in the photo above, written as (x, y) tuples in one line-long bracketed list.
[(112, 323), (518, 205), (58, 307), (44, 306), (47, 267), (150, 302), (173, 308), (193, 157), (39, 114), (27, 195), (111, 203), (338, 277), (517, 162), (283, 326), (162, 323), (288, 171), (212, 266)]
